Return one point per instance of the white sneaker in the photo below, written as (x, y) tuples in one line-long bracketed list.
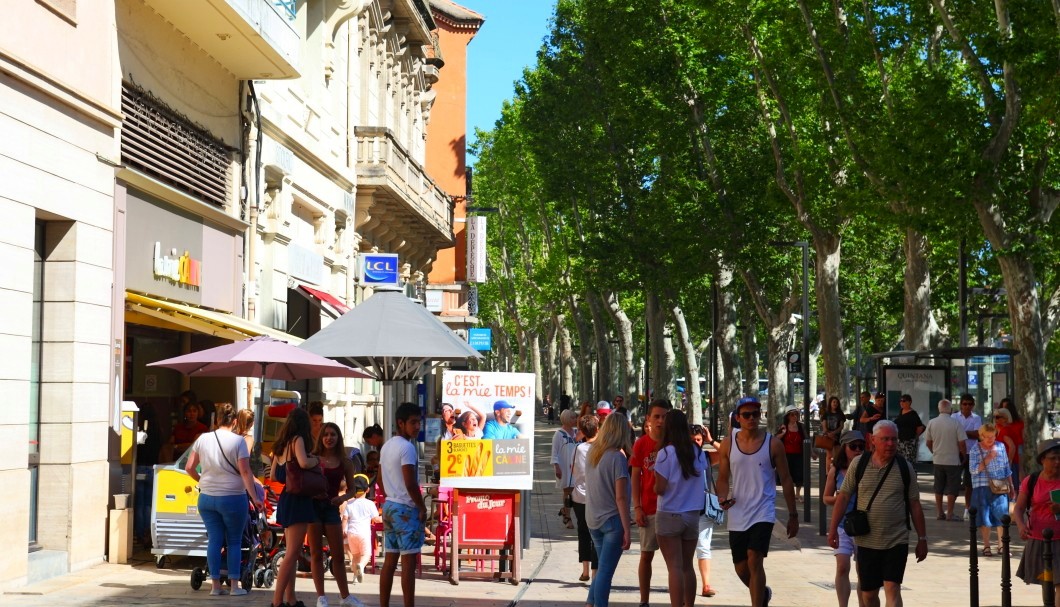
[(359, 575), (322, 601), (351, 601)]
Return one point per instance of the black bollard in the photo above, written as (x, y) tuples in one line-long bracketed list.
[(823, 477), (1006, 566), (973, 561), (1047, 573)]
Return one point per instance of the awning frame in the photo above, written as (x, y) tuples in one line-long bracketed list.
[(202, 320)]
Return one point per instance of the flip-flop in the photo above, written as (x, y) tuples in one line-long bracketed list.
[(709, 592)]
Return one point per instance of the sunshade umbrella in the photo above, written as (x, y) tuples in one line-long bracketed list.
[(263, 357), (390, 337)]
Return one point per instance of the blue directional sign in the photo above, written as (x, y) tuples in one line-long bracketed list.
[(480, 339), (380, 270)]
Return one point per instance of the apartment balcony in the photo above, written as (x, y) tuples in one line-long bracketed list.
[(253, 39), (404, 196)]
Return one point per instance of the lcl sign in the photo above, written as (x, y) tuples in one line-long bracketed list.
[(380, 269)]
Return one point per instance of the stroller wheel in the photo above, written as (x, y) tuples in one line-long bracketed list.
[(277, 561), (247, 581), (198, 576), (259, 577), (270, 578)]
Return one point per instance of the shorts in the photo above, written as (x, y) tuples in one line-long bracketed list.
[(947, 479), (706, 536), (402, 528), (649, 542), (878, 566), (684, 525), (755, 538), (966, 476), (359, 544), (327, 513), (846, 545)]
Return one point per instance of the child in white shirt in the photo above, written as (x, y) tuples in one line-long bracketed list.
[(358, 515)]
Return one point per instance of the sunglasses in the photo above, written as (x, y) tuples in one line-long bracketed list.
[(856, 446), (751, 414)]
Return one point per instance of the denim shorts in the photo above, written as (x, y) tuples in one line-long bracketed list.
[(327, 513), (402, 528), (706, 535)]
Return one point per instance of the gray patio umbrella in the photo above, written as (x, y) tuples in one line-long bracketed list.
[(389, 337)]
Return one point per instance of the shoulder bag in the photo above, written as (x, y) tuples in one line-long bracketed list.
[(998, 486), (309, 482), (711, 506), (857, 521)]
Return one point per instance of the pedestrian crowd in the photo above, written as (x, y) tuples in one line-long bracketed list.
[(667, 477)]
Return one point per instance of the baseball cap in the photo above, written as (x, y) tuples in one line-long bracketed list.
[(502, 404), (360, 484), (850, 436), (747, 400)]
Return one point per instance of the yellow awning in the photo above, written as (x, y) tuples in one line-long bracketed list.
[(200, 320)]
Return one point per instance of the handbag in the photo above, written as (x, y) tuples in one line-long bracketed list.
[(999, 486), (309, 482), (857, 521), (824, 441), (711, 506)]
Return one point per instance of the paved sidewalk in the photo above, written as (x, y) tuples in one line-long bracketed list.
[(550, 572)]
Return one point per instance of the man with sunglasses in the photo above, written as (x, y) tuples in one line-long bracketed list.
[(750, 456), (945, 439)]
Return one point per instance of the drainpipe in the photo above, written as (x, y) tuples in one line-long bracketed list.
[(252, 116)]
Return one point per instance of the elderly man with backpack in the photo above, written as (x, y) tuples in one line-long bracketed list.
[(887, 498)]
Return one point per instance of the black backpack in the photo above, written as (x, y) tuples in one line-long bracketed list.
[(863, 463)]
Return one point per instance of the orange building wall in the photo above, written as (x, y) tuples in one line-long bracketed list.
[(447, 144)]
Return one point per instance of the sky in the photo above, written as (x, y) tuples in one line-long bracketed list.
[(507, 42)]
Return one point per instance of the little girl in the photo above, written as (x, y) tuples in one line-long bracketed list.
[(359, 514)]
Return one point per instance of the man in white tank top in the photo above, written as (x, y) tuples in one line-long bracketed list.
[(750, 456)]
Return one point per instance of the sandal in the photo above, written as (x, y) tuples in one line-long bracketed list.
[(708, 592), (987, 552)]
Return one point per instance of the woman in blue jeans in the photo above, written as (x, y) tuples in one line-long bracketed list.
[(607, 506), (225, 483)]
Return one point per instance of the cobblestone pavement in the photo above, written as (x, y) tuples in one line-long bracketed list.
[(550, 572)]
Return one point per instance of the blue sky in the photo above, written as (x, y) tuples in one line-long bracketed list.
[(507, 43)]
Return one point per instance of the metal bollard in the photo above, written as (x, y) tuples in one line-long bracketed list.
[(823, 477), (1047, 574), (973, 561), (1006, 565)]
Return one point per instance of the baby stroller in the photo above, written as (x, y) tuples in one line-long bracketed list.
[(250, 555)]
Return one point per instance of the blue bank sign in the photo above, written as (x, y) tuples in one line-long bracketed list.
[(380, 270), (480, 339)]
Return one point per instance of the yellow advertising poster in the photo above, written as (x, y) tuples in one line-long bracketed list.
[(487, 438)]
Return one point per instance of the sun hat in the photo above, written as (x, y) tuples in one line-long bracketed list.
[(1045, 446), (1003, 413)]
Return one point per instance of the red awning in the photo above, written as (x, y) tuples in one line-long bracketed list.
[(327, 298)]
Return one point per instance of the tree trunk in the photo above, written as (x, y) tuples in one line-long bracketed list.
[(661, 374), (695, 407), (781, 340), (921, 329), (750, 351), (585, 340), (829, 313), (536, 368), (627, 372), (566, 358), (1024, 308), (601, 331), (729, 360), (551, 366)]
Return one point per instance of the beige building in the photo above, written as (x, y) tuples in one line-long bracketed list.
[(343, 154), (59, 114)]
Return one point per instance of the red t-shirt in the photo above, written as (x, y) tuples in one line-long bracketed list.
[(1039, 514), (1013, 431), (644, 458), (792, 442)]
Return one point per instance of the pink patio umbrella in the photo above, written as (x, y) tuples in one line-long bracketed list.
[(263, 357)]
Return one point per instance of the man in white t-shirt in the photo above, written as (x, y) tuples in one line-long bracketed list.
[(970, 422), (404, 514), (945, 439)]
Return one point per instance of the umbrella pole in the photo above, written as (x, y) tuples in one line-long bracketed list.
[(259, 424)]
